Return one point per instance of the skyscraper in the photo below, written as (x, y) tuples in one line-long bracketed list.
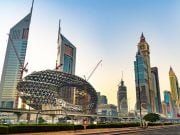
[(14, 61), (143, 78), (66, 55), (156, 88), (122, 99), (168, 101), (175, 93), (66, 61)]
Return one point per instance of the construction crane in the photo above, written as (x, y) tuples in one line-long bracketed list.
[(57, 66), (93, 71), (83, 94), (23, 68)]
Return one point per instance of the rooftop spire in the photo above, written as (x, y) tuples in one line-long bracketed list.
[(59, 43), (59, 25), (122, 82), (142, 39), (122, 76), (32, 6), (59, 30)]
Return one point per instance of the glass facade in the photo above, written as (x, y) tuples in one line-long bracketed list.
[(140, 70), (68, 64), (168, 102), (11, 74), (66, 55), (141, 80)]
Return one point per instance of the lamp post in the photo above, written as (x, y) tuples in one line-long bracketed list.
[(139, 90), (29, 111)]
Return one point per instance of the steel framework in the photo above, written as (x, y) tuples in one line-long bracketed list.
[(42, 88)]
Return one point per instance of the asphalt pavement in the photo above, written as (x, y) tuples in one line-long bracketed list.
[(166, 130), (156, 130)]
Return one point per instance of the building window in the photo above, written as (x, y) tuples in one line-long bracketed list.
[(25, 33), (68, 50)]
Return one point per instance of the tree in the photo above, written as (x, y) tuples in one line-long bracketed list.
[(152, 117), (41, 120)]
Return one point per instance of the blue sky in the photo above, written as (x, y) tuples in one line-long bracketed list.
[(100, 29)]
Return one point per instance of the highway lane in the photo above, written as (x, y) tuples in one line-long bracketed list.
[(168, 130), (163, 130)]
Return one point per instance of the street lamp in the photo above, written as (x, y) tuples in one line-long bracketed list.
[(29, 111)]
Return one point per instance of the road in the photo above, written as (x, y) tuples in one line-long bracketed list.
[(157, 130), (168, 130), (163, 130)]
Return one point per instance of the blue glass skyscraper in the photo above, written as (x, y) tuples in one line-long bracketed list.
[(11, 73), (141, 80), (168, 102)]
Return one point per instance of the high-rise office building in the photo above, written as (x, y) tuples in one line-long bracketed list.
[(168, 101), (143, 79), (66, 55), (175, 93), (122, 99), (66, 61), (14, 60), (156, 88), (102, 99)]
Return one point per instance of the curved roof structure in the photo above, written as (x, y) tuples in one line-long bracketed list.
[(42, 88)]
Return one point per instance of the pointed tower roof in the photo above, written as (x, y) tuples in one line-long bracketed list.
[(143, 45), (32, 6), (142, 38), (171, 72), (26, 19)]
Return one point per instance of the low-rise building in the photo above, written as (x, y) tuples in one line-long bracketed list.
[(107, 110)]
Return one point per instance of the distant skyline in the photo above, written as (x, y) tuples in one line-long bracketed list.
[(105, 29)]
